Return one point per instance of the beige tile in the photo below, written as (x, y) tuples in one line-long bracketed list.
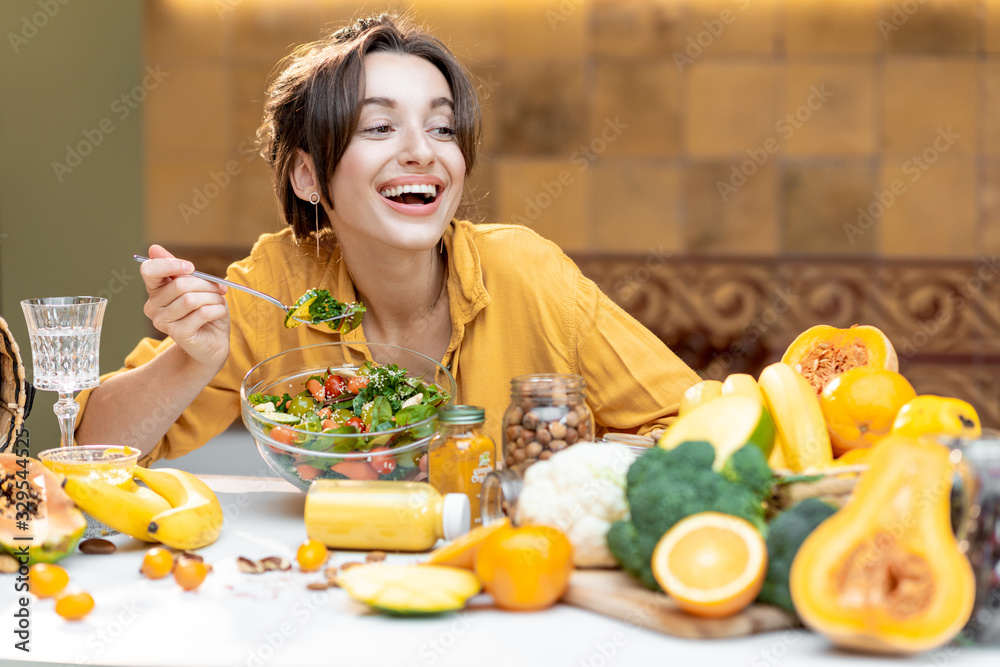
[(930, 26), (636, 28), (549, 196), (821, 202), (637, 108), (935, 215), (182, 31), (539, 108), (533, 30), (729, 211), (185, 206), (248, 85), (265, 32), (471, 35), (729, 108), (723, 27), (992, 21), (829, 109), (923, 96), (991, 89), (187, 116), (255, 208), (489, 84), (988, 234), (824, 27), (637, 206)]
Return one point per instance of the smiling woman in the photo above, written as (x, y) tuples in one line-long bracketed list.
[(370, 133)]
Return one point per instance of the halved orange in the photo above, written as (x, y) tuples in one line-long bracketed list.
[(462, 551), (711, 564)]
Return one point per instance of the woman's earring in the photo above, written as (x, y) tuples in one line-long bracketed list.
[(314, 200)]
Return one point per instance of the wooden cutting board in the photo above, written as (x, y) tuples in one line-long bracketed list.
[(616, 594)]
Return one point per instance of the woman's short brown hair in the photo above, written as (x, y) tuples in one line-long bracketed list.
[(315, 103)]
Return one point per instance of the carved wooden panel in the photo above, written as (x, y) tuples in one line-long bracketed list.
[(725, 314)]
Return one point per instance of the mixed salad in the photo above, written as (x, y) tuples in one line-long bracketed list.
[(318, 306), (377, 402)]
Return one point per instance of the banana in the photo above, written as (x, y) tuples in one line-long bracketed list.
[(798, 419), (195, 517), (128, 512)]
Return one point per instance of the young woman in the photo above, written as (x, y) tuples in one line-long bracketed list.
[(370, 133)]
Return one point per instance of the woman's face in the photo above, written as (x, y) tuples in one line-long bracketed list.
[(400, 180)]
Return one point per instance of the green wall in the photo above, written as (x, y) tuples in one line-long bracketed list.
[(69, 230)]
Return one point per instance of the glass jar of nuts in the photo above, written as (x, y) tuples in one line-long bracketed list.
[(548, 412)]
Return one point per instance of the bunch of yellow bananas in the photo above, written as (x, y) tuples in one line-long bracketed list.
[(174, 508)]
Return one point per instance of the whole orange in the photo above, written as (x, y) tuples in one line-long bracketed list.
[(860, 404), (527, 568)]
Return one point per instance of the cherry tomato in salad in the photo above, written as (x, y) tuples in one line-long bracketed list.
[(383, 463), (356, 423), (356, 384), (307, 472), (283, 435), (355, 470), (334, 386), (316, 389)]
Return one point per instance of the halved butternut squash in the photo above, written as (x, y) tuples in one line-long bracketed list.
[(885, 574)]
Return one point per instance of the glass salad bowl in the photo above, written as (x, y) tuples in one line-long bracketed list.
[(345, 410)]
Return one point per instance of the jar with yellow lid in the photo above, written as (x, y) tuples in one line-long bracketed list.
[(461, 455)]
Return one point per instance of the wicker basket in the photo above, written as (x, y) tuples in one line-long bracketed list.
[(15, 392)]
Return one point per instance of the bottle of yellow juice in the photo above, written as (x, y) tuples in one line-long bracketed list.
[(386, 515)]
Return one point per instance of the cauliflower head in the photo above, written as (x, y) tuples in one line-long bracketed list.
[(581, 491)]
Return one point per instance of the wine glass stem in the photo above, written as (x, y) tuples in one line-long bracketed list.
[(66, 409)]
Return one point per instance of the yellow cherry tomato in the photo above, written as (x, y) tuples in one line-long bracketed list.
[(46, 580)]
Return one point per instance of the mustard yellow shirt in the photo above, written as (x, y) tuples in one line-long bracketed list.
[(518, 305)]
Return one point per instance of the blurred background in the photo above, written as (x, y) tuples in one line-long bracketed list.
[(730, 171)]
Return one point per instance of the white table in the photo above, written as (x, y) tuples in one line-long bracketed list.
[(274, 620)]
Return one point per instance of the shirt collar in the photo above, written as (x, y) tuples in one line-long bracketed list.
[(466, 289)]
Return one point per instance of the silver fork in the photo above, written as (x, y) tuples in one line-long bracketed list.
[(243, 288)]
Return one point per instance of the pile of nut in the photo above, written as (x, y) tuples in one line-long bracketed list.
[(533, 432)]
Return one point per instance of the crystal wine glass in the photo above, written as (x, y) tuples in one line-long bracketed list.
[(65, 334)]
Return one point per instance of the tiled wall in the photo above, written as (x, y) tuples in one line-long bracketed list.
[(711, 126)]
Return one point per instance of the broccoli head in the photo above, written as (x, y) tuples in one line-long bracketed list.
[(664, 486), (785, 535)]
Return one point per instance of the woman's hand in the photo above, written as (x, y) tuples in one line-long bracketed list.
[(190, 310)]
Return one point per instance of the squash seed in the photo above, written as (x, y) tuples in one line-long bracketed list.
[(249, 566), (276, 563)]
